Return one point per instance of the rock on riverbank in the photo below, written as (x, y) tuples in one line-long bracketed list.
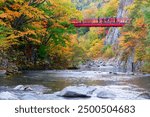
[(113, 65), (2, 72)]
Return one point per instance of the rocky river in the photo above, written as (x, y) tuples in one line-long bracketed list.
[(92, 82), (96, 80)]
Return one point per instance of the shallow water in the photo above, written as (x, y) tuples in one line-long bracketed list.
[(123, 86)]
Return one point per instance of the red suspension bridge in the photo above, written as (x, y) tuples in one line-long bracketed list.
[(101, 22)]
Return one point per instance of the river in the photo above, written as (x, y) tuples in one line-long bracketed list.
[(113, 86)]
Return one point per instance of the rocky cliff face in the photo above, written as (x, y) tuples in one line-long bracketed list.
[(7, 67), (114, 33)]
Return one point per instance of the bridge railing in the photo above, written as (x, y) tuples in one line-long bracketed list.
[(102, 21)]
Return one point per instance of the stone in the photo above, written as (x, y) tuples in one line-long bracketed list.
[(19, 87), (130, 73), (119, 73), (144, 95), (77, 91), (27, 88), (23, 88), (38, 89), (105, 73), (106, 95), (8, 96), (12, 69), (2, 72)]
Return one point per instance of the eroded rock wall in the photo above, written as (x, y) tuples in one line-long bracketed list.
[(114, 33)]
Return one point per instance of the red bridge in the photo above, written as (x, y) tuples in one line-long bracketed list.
[(101, 22)]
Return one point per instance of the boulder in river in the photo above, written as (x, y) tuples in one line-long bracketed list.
[(105, 73), (8, 96), (23, 88), (39, 89), (106, 95), (77, 91), (120, 73), (144, 95)]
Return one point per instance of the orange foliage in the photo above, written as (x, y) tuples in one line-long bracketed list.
[(134, 38)]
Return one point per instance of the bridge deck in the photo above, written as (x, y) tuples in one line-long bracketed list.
[(101, 22), (99, 25)]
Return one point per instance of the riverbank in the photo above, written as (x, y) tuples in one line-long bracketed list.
[(8, 66), (111, 66)]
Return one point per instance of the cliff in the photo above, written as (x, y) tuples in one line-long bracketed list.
[(112, 39), (114, 33)]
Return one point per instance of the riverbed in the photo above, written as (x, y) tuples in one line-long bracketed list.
[(47, 85)]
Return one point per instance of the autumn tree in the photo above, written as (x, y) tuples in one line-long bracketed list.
[(134, 36), (30, 26), (108, 9)]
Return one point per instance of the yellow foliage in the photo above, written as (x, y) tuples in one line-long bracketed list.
[(130, 8), (16, 6), (146, 67), (37, 41), (139, 22), (95, 47), (139, 53), (2, 1), (89, 13), (135, 37), (109, 9), (62, 56), (109, 53), (101, 30)]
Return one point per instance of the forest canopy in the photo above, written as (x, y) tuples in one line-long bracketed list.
[(31, 28)]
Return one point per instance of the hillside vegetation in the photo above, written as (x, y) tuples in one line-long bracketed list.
[(38, 34)]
